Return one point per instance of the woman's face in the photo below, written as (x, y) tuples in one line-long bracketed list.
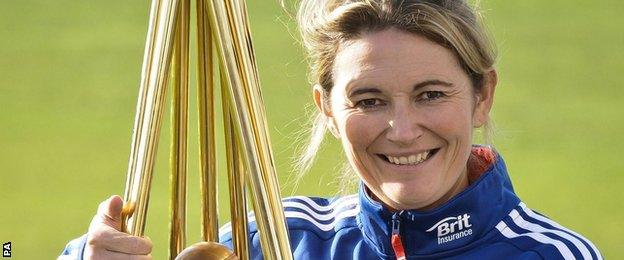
[(405, 111)]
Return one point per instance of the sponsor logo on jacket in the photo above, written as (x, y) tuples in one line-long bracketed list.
[(452, 228)]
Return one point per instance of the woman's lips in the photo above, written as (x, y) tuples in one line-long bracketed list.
[(409, 159)]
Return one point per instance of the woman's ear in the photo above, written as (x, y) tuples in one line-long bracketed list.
[(485, 99), (322, 103), (320, 99)]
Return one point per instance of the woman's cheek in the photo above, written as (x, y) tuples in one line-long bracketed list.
[(362, 129), (450, 122)]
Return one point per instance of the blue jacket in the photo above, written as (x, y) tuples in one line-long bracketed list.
[(485, 221)]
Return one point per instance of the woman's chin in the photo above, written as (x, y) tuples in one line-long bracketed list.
[(403, 197)]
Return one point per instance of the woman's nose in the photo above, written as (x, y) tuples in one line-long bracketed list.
[(404, 130)]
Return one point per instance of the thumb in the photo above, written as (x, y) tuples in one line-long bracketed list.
[(109, 213)]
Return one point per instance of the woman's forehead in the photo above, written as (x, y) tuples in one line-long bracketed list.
[(392, 54), (391, 42)]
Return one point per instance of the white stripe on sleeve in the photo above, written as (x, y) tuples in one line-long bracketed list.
[(539, 217), (561, 247), (521, 222)]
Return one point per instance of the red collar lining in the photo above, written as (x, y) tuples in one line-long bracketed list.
[(481, 158)]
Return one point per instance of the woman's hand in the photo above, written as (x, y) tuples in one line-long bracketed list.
[(105, 239)]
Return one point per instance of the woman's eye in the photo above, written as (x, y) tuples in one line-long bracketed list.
[(432, 95), (368, 103)]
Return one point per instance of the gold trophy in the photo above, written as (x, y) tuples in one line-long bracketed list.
[(221, 25)]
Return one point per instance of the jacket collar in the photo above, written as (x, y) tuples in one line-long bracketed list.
[(455, 225)]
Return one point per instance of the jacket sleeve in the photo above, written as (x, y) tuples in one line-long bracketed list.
[(255, 251), (74, 249)]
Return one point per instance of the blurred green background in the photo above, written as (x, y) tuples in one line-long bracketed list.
[(69, 73)]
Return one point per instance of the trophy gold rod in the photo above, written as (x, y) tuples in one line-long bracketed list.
[(236, 178), (152, 92), (179, 131), (250, 123), (207, 145), (242, 40), (141, 103), (253, 95)]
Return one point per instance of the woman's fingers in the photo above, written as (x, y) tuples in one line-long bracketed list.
[(110, 255), (116, 241), (109, 213), (105, 239)]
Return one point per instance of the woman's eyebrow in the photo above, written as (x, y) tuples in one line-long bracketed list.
[(425, 83), (432, 82), (360, 91)]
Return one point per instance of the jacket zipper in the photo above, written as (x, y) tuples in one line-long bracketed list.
[(395, 240)]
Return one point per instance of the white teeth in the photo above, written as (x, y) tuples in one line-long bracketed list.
[(403, 160), (410, 160)]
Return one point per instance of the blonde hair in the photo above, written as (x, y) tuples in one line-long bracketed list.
[(326, 24)]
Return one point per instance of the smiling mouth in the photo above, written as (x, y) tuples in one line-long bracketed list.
[(409, 159)]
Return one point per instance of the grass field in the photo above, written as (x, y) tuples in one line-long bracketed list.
[(69, 73)]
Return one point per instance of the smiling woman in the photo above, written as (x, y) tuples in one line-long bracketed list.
[(403, 85), (405, 111)]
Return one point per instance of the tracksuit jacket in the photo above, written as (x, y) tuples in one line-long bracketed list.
[(485, 221)]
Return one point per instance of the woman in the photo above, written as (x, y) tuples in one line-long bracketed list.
[(403, 85)]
